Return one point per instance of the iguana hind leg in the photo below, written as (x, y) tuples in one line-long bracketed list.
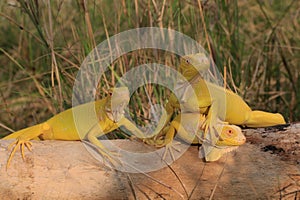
[(23, 138)]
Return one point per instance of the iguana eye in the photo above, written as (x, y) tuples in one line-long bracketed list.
[(188, 61), (230, 132)]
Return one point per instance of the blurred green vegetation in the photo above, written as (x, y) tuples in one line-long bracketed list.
[(43, 43)]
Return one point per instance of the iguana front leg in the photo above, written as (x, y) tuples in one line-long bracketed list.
[(104, 127), (166, 140), (169, 138), (99, 129), (227, 136), (137, 132), (168, 134), (211, 118)]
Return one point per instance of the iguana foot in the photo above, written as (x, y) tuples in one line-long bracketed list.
[(154, 142), (111, 157), (18, 144), (169, 148), (159, 143), (208, 125)]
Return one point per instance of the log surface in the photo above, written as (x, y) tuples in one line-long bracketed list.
[(67, 170)]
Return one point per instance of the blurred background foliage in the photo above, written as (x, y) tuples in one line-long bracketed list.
[(43, 44)]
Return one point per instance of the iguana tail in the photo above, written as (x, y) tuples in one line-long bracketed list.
[(28, 133), (258, 118)]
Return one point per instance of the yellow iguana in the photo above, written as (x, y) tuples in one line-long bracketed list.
[(230, 136), (216, 103), (63, 127), (207, 101)]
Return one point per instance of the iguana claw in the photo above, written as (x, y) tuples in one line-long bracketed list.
[(169, 148), (18, 144), (160, 142), (109, 156)]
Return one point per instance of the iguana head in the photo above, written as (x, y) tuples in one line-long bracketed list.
[(115, 107), (230, 138), (231, 135), (191, 65)]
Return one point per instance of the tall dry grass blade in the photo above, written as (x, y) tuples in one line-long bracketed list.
[(6, 127), (161, 15), (36, 82), (136, 7), (88, 24), (54, 65), (32, 9), (110, 50), (21, 27), (205, 30), (225, 77)]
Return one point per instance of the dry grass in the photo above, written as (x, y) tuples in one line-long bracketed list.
[(44, 42)]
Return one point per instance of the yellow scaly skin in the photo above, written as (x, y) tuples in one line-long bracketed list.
[(236, 111), (229, 136), (62, 125)]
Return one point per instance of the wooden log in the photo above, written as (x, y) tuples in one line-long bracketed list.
[(281, 140), (67, 170)]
